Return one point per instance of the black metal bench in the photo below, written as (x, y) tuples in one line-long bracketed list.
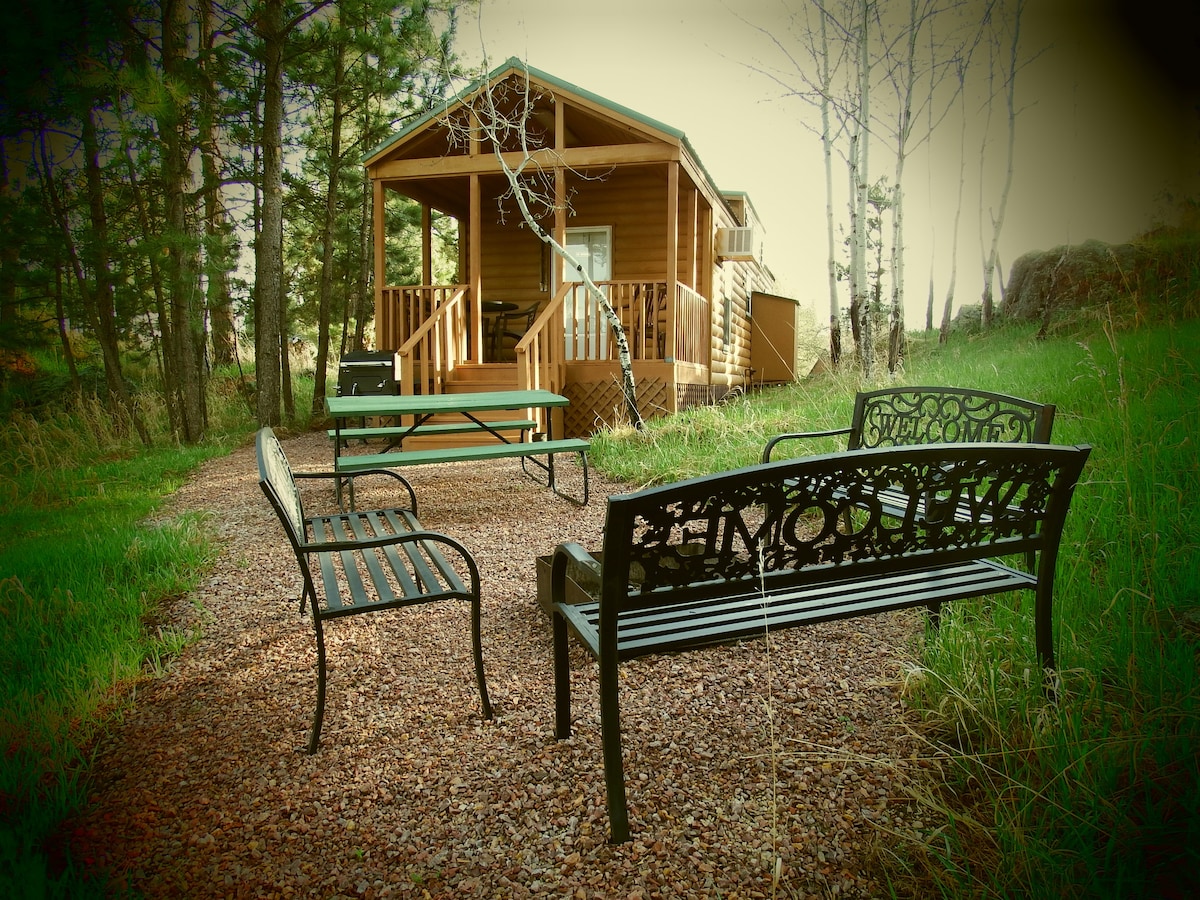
[(779, 545), (366, 561), (898, 416)]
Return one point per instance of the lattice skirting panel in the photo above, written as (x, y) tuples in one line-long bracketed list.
[(595, 404), (687, 395)]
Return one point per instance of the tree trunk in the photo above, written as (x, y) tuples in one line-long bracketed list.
[(268, 255), (97, 297), (835, 312), (325, 298), (855, 272), (903, 131), (1010, 82), (181, 262), (944, 331), (216, 226), (862, 191)]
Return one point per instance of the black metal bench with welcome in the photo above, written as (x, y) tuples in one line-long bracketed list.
[(934, 415), (730, 556), (366, 561)]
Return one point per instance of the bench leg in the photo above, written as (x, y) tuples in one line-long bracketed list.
[(314, 738), (614, 767), (1042, 626), (562, 679), (477, 646)]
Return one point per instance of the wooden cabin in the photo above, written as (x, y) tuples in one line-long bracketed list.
[(678, 259)]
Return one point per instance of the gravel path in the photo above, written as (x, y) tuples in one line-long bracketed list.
[(754, 770)]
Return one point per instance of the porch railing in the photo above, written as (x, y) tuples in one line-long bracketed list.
[(541, 353), (438, 343), (640, 305), (693, 327), (403, 309), (429, 325)]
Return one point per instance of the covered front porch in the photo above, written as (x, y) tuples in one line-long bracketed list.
[(447, 338)]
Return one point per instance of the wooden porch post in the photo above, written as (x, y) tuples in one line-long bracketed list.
[(385, 325), (474, 270), (426, 244), (672, 252), (691, 220)]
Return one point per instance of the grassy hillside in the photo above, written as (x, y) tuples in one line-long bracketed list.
[(1099, 794)]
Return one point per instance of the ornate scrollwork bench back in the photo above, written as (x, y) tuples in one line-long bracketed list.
[(893, 417)]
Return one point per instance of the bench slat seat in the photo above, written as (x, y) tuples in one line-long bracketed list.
[(366, 561), (401, 458), (734, 555), (698, 623)]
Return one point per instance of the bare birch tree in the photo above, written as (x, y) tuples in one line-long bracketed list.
[(497, 129), (961, 74), (830, 55), (1010, 29), (826, 85), (860, 170)]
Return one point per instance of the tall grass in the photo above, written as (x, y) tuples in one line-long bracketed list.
[(84, 566), (1097, 794)]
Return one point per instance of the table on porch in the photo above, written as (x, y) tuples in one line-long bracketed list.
[(412, 414)]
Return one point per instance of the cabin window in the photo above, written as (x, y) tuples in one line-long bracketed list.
[(587, 332)]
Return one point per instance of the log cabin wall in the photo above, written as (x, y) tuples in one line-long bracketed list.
[(632, 201), (512, 259)]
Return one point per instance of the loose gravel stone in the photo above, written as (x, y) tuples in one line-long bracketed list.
[(754, 770)]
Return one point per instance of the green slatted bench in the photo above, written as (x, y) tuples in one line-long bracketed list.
[(779, 545), (366, 561)]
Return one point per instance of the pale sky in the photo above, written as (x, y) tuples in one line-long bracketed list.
[(1099, 138)]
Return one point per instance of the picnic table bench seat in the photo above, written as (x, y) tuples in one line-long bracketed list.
[(527, 451), (366, 561), (778, 545)]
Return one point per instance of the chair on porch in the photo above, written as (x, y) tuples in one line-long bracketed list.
[(649, 327), (508, 329)]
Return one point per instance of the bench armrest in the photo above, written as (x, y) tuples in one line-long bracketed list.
[(350, 476), (798, 435), (564, 554)]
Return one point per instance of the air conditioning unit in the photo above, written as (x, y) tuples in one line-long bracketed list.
[(737, 243)]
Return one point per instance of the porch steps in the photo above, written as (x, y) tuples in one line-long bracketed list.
[(483, 377), (469, 378)]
